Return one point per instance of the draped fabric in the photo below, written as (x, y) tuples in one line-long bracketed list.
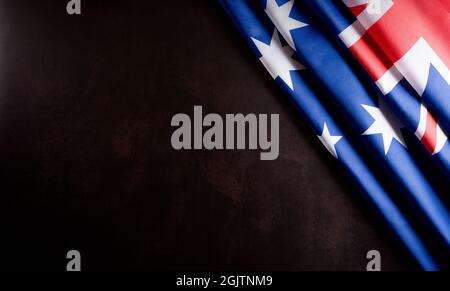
[(372, 79)]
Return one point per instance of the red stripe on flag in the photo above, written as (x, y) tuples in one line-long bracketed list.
[(356, 10), (371, 57), (446, 4), (429, 138), (408, 20)]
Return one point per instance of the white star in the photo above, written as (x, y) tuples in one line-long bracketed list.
[(329, 141), (278, 59), (280, 17), (385, 123)]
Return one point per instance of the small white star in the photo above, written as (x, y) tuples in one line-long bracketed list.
[(329, 141), (278, 59), (280, 17), (385, 123)]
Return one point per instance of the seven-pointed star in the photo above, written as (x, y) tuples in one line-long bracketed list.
[(385, 124), (278, 59), (280, 17), (329, 141)]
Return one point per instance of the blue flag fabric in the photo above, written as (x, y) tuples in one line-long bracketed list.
[(371, 134), (409, 106), (434, 88)]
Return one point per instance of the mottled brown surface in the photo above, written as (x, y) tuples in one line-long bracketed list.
[(86, 161)]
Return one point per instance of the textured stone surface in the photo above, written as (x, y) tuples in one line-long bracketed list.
[(86, 160)]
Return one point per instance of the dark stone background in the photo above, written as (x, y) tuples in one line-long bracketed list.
[(86, 161)]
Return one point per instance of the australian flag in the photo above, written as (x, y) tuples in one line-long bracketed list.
[(372, 79)]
